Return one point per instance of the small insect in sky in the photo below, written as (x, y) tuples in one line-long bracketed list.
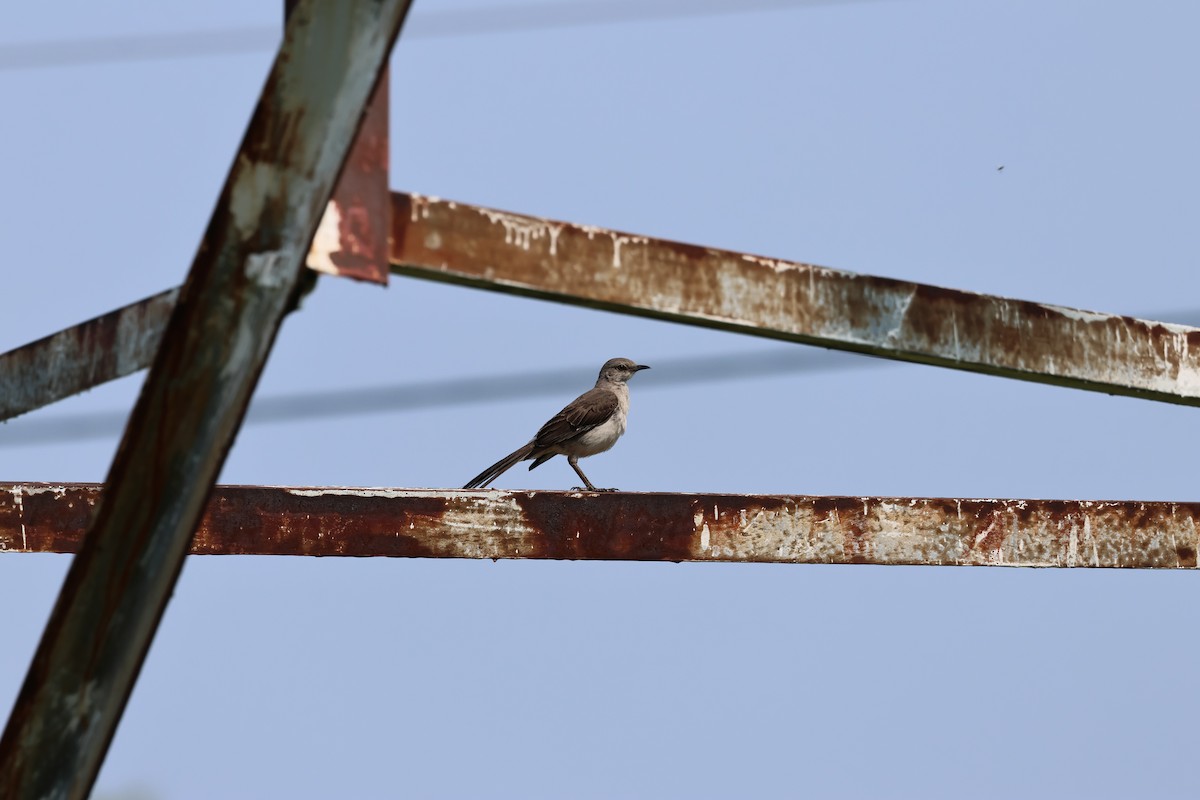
[(1000, 168)]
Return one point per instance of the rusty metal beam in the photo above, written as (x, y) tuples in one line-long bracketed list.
[(97, 351), (215, 345), (598, 268), (421, 523)]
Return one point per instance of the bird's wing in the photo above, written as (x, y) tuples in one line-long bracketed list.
[(587, 411)]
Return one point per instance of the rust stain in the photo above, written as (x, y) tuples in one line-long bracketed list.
[(609, 526), (255, 520), (992, 535)]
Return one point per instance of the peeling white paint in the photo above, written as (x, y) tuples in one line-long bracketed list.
[(419, 208), (1195, 536), (522, 231), (617, 239), (900, 316), (1087, 537), (58, 490), (778, 265), (1187, 382), (19, 503), (354, 492), (268, 269), (1076, 314), (326, 241)]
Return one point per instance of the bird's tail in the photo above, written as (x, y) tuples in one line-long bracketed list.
[(495, 470)]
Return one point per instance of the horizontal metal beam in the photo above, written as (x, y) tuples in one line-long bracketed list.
[(598, 268), (94, 352), (418, 523)]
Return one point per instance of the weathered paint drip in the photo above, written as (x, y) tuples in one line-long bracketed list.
[(71, 361), (410, 523), (598, 268)]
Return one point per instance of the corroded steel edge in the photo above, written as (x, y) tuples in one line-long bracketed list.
[(315, 521), (584, 265)]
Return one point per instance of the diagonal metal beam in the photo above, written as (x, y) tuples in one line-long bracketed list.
[(71, 361), (216, 343), (598, 268), (791, 529)]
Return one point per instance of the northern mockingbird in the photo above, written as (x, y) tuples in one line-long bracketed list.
[(590, 424)]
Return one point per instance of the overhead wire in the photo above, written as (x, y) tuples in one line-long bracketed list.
[(452, 392), (484, 20), (445, 393)]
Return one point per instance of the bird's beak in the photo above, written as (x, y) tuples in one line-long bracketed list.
[(640, 367)]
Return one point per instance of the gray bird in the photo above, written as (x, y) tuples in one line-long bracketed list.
[(590, 424)]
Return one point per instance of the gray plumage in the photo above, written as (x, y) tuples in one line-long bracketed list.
[(590, 424)]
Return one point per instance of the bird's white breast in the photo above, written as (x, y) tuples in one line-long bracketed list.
[(604, 436)]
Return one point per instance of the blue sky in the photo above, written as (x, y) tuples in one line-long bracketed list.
[(860, 135)]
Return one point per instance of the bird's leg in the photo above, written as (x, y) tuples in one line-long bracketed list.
[(574, 462)]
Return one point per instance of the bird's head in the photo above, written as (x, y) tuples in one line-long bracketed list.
[(619, 370)]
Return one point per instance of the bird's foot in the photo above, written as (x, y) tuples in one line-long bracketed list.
[(591, 489)]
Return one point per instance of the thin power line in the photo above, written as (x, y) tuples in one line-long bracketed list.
[(128, 49), (508, 18), (521, 17), (450, 392), (66, 428)]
